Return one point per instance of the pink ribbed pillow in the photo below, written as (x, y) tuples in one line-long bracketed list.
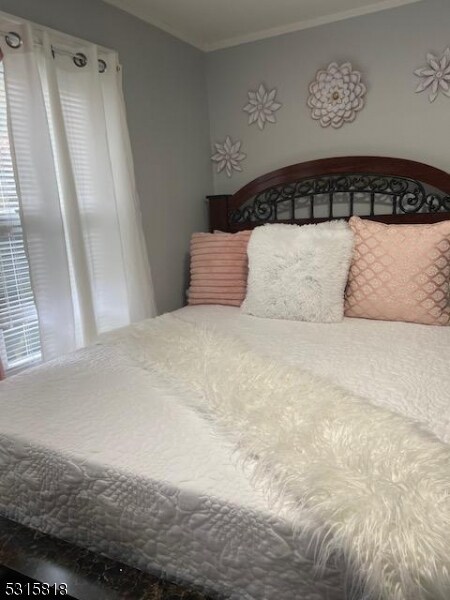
[(400, 272), (219, 268)]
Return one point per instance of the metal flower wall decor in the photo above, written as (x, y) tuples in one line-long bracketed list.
[(228, 156), (336, 95), (261, 106), (435, 75)]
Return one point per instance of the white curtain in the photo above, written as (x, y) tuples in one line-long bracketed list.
[(74, 171)]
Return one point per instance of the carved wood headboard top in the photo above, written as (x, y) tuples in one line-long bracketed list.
[(391, 190)]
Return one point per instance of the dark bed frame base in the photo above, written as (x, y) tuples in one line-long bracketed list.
[(26, 553), (407, 192)]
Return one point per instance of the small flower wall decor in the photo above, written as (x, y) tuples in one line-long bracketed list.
[(228, 156), (336, 95), (435, 75), (261, 106)]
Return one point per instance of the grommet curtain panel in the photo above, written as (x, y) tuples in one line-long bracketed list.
[(76, 188)]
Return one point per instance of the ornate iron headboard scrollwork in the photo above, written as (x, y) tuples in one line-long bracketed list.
[(385, 189)]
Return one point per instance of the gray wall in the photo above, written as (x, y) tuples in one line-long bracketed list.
[(165, 93), (387, 47)]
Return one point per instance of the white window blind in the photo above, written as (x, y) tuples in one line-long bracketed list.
[(19, 326)]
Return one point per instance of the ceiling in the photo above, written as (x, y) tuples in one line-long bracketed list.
[(213, 24)]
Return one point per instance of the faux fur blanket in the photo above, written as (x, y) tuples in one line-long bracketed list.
[(370, 488)]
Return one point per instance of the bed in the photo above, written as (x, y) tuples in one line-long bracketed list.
[(104, 453)]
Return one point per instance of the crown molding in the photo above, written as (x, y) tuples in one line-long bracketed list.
[(308, 24), (145, 15)]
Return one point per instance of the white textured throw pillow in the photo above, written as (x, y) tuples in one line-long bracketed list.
[(299, 272)]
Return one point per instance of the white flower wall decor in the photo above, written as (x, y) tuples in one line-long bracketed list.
[(228, 156), (435, 75), (261, 106), (336, 95)]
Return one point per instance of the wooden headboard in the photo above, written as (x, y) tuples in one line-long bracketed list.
[(391, 190)]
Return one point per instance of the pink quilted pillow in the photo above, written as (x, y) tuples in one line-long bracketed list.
[(219, 268), (400, 272)]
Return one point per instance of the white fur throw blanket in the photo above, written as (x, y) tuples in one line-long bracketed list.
[(370, 488)]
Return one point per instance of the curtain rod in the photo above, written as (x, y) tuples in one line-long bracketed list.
[(14, 40)]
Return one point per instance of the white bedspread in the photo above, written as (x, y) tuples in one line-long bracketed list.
[(401, 366), (99, 451)]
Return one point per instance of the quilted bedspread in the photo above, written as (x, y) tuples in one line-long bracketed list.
[(96, 449)]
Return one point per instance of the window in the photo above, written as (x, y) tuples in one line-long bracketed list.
[(19, 326)]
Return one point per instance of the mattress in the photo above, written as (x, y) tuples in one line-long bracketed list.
[(98, 451)]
